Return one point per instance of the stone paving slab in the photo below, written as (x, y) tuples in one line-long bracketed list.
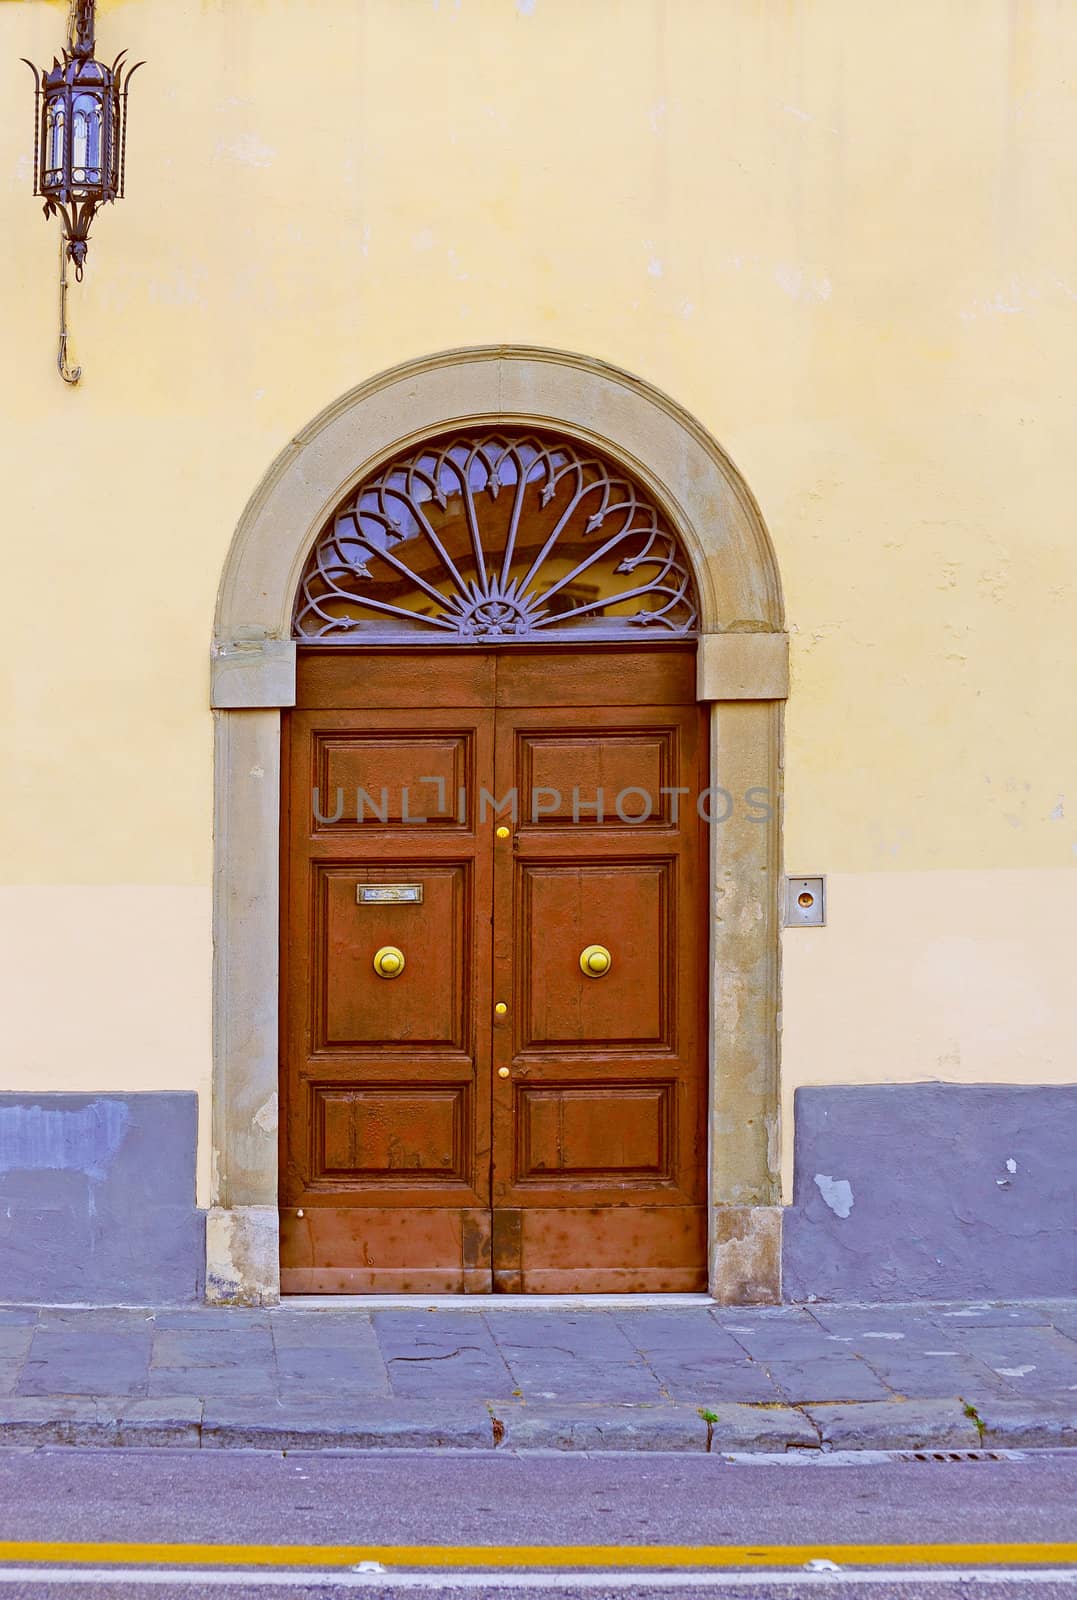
[(745, 1381), (572, 1377), (64, 1361), (424, 1353), (819, 1378), (921, 1376)]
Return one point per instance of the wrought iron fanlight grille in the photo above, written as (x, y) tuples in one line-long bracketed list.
[(496, 538)]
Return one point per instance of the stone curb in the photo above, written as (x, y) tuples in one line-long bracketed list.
[(253, 1424), (1030, 1425), (369, 1425), (94, 1422), (896, 1425), (529, 1426)]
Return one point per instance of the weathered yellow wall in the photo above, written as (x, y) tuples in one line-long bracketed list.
[(839, 232)]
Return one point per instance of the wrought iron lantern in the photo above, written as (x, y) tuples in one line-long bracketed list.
[(80, 132), (80, 146)]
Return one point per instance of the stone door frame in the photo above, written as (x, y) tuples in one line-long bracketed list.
[(742, 674)]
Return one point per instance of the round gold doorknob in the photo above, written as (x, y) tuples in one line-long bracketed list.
[(503, 833), (500, 1009), (595, 961), (389, 961), (502, 1072)]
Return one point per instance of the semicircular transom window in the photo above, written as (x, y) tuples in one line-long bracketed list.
[(496, 538)]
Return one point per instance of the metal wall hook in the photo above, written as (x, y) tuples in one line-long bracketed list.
[(68, 374)]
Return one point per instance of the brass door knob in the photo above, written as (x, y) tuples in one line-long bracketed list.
[(503, 832), (502, 1072), (500, 1009), (389, 961), (595, 961)]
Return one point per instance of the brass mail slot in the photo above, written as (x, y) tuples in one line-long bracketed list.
[(389, 894)]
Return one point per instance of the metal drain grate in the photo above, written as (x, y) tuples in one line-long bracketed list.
[(956, 1455)]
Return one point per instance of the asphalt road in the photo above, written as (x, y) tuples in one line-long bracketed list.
[(455, 1502)]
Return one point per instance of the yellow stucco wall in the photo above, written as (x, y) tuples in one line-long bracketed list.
[(839, 232)]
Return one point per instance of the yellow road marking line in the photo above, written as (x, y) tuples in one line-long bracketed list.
[(539, 1555)]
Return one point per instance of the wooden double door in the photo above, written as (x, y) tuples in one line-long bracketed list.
[(494, 953)]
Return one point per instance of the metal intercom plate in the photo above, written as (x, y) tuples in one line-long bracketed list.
[(805, 902)]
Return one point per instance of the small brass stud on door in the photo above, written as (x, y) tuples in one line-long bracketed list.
[(502, 1072)]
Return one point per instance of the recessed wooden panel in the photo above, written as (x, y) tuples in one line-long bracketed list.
[(427, 1005), (386, 1133), (623, 905), (600, 778), (362, 781), (603, 1133)]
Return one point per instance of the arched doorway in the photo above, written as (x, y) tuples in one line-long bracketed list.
[(494, 875), (719, 584)]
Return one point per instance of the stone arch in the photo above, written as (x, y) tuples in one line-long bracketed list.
[(741, 670)]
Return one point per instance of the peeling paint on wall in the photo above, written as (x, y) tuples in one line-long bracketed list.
[(39, 1139), (837, 1192), (266, 1117)]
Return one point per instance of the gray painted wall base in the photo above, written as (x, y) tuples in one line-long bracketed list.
[(933, 1191), (97, 1199)]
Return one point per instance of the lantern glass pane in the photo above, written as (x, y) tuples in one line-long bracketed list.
[(54, 162), (86, 140)]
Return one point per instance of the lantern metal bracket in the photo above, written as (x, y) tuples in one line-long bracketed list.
[(68, 374), (80, 27)]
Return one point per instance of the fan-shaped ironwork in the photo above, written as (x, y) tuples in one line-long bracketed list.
[(496, 538)]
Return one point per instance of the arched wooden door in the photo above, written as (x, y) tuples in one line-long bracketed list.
[(494, 939)]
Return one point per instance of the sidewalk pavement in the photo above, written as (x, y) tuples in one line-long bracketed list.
[(622, 1376)]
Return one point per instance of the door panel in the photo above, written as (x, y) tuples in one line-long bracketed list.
[(365, 777), (409, 1162), (391, 1132), (564, 1130), (634, 769), (429, 1003), (564, 906)]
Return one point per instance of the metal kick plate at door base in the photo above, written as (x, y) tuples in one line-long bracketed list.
[(389, 894)]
